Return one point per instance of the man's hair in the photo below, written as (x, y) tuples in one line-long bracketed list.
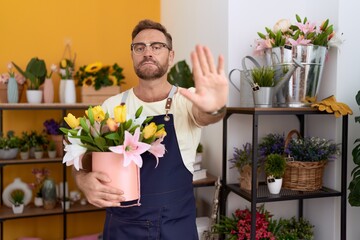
[(149, 24)]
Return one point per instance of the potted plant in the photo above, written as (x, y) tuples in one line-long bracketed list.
[(17, 199), (35, 73), (51, 149), (24, 151), (67, 93), (238, 226), (354, 185), (199, 152), (242, 160), (307, 157), (275, 165), (38, 151), (40, 174), (291, 229), (36, 140), (52, 129), (9, 145)]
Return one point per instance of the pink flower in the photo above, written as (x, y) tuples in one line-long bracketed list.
[(262, 45), (299, 41), (307, 27), (132, 148), (157, 149)]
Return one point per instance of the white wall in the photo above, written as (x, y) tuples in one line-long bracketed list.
[(229, 27)]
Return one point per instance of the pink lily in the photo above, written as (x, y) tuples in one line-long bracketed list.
[(157, 149), (132, 148), (307, 27), (262, 45), (299, 41)]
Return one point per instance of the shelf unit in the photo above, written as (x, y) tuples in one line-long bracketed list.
[(32, 211), (261, 194)]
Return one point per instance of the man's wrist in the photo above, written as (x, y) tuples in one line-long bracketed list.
[(217, 112)]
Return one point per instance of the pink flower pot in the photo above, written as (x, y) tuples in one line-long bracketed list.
[(126, 179)]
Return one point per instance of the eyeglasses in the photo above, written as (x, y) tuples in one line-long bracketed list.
[(155, 47)]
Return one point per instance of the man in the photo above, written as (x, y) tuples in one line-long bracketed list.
[(167, 209)]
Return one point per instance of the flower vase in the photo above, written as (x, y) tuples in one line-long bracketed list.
[(62, 90), (12, 91), (38, 202), (69, 91), (126, 179), (48, 192), (48, 91)]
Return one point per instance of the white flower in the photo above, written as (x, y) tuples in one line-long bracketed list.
[(283, 25), (53, 68), (74, 152)]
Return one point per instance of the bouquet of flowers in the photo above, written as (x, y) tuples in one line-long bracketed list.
[(122, 134), (303, 32), (99, 75), (4, 77)]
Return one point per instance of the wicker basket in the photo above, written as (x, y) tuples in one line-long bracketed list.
[(302, 176)]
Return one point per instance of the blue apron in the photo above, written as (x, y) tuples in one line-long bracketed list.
[(167, 209)]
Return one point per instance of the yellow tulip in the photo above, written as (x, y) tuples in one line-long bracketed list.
[(72, 121), (63, 63), (120, 113), (160, 133), (98, 113), (149, 130)]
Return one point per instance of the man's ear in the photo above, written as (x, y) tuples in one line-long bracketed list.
[(171, 57)]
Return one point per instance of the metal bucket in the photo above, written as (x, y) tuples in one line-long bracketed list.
[(304, 84)]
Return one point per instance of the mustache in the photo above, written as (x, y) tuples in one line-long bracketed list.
[(147, 59)]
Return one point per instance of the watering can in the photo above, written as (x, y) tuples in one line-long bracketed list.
[(262, 96)]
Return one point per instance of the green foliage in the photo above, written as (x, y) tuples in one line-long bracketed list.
[(242, 157), (180, 75), (17, 197), (199, 148), (51, 146), (35, 72), (291, 229), (9, 141), (34, 139), (263, 76), (275, 165), (354, 186)]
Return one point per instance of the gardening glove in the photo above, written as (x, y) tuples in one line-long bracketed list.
[(330, 105)]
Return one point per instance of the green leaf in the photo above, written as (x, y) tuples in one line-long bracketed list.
[(180, 75), (357, 98), (261, 35), (298, 18), (84, 125), (138, 112), (91, 116)]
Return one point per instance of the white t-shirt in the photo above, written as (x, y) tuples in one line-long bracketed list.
[(188, 132)]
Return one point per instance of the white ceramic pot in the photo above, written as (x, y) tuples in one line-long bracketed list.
[(8, 153), (52, 154), (66, 204), (38, 155), (38, 202), (274, 186), (34, 96), (24, 155), (69, 91), (16, 184), (18, 209)]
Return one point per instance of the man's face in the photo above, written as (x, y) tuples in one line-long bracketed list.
[(149, 65)]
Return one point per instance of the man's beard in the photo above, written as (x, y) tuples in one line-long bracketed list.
[(150, 74)]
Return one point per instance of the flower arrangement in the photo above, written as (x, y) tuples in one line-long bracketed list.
[(40, 175), (4, 77), (52, 127), (66, 68), (98, 75), (311, 149), (122, 134), (241, 157), (272, 143), (239, 225), (303, 32)]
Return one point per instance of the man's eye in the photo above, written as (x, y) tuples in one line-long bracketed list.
[(156, 46), (139, 48)]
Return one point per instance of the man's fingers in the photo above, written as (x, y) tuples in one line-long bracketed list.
[(221, 65), (210, 60)]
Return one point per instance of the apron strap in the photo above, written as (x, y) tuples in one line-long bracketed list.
[(169, 102)]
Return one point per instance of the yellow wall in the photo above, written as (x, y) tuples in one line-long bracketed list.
[(98, 31)]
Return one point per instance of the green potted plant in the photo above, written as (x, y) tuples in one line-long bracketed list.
[(38, 151), (275, 165), (35, 73), (354, 185), (291, 229), (242, 160), (36, 140), (51, 149), (9, 145), (17, 199)]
